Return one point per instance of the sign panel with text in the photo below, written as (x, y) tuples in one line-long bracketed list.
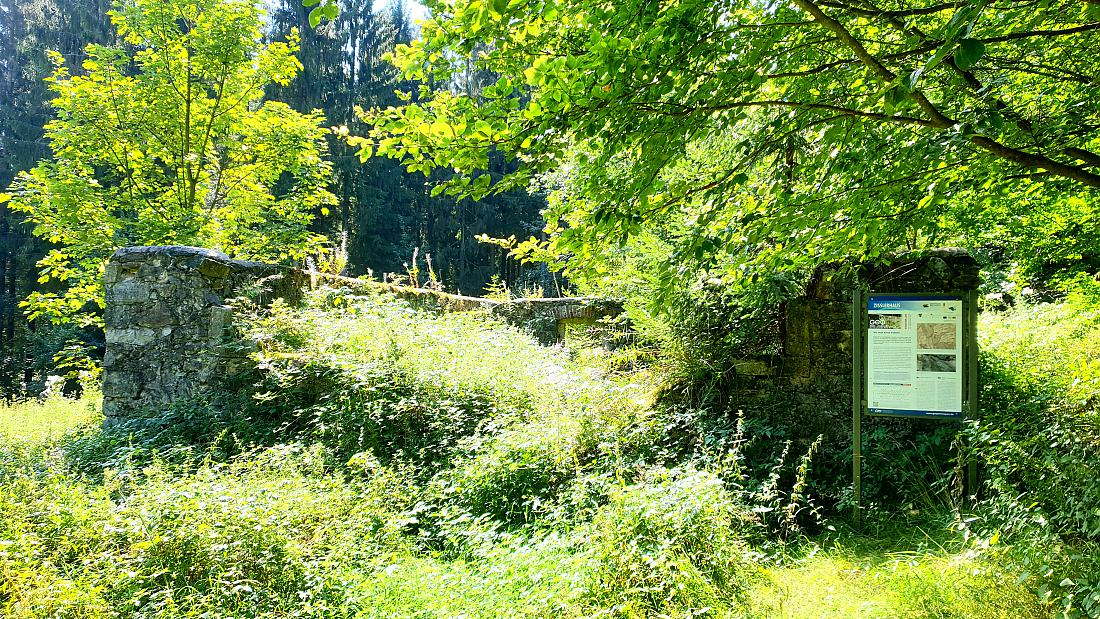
[(915, 365)]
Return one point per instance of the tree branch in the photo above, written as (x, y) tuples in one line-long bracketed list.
[(868, 59), (938, 119), (844, 111), (1081, 154), (1031, 160), (1042, 33), (928, 10)]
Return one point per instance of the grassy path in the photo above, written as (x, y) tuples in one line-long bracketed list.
[(874, 583)]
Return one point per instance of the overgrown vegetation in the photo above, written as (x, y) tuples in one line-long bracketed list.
[(697, 161), (385, 462), (1039, 438)]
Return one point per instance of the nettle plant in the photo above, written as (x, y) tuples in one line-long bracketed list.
[(168, 141)]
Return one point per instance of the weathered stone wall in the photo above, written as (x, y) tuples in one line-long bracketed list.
[(545, 318), (548, 319), (167, 323), (809, 384), (167, 320)]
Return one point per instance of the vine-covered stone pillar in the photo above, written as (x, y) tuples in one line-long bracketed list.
[(807, 386)]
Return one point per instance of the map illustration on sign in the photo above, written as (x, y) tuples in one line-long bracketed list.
[(936, 336), (914, 356)]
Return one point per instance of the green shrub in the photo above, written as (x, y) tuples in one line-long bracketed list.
[(1039, 441), (500, 422), (512, 475), (378, 408), (186, 432), (459, 352), (675, 540)]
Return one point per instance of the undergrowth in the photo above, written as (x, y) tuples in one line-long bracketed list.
[(383, 462), (1039, 439)]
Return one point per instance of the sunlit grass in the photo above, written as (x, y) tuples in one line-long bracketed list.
[(841, 583), (35, 421)]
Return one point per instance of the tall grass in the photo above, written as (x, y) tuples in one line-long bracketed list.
[(390, 463), (1039, 441), (48, 420)]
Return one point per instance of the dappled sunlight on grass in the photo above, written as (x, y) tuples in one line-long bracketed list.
[(48, 420), (843, 582)]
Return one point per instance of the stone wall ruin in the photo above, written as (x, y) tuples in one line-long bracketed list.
[(168, 322), (166, 319), (809, 382)]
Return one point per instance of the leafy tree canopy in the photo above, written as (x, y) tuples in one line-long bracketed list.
[(765, 135), (167, 141)]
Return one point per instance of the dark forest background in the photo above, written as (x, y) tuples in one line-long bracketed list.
[(386, 213)]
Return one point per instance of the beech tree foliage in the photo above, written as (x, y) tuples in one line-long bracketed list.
[(168, 141), (764, 135)]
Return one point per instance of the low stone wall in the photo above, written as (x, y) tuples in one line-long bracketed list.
[(548, 319), (545, 318), (167, 320)]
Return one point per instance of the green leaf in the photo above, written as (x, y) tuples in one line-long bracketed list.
[(968, 53), (961, 23), (315, 17), (910, 80), (893, 98)]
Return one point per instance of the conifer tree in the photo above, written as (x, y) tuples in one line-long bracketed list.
[(29, 30)]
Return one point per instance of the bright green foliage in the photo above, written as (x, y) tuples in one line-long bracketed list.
[(170, 144), (763, 136), (183, 526), (677, 538), (1039, 436)]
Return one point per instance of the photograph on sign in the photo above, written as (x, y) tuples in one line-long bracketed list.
[(914, 353)]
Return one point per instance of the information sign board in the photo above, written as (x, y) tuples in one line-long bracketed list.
[(915, 364), (913, 355)]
